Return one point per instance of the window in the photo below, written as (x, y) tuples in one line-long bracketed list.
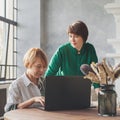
[(8, 38)]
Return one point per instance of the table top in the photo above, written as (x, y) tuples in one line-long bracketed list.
[(37, 114)]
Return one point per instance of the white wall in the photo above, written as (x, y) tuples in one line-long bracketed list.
[(43, 23), (60, 13), (28, 29)]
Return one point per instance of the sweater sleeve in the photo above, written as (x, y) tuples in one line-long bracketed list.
[(93, 54), (96, 85), (54, 64)]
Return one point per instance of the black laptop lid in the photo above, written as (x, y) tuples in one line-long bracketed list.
[(67, 92)]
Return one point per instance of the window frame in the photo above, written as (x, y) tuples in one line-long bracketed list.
[(8, 71)]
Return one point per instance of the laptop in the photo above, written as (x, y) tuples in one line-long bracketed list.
[(67, 93)]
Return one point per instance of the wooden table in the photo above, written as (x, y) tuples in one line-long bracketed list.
[(37, 114)]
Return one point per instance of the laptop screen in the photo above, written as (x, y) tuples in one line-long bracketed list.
[(67, 92)]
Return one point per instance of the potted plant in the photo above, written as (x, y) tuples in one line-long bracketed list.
[(104, 74)]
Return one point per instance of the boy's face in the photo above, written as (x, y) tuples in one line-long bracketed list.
[(76, 41)]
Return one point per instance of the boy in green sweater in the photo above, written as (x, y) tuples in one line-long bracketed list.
[(69, 57)]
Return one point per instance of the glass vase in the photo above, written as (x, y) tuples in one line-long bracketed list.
[(107, 101)]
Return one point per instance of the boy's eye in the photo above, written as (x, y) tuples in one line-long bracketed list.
[(75, 36), (70, 36)]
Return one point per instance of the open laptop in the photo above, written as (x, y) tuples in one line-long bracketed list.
[(67, 92)]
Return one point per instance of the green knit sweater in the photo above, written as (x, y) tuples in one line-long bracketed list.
[(67, 60)]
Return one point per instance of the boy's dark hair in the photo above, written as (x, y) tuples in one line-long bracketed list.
[(79, 28)]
